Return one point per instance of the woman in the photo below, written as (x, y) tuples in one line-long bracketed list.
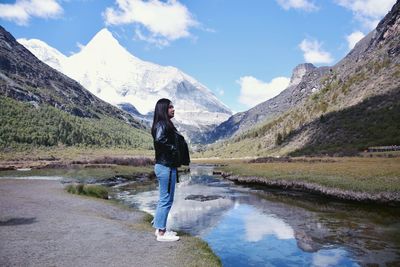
[(171, 152)]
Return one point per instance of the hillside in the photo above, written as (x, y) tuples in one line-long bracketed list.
[(42, 107), (355, 106), (303, 83), (354, 129)]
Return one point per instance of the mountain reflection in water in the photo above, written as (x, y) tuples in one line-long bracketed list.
[(249, 226)]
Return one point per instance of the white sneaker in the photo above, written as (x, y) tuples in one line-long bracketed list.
[(167, 238), (166, 232)]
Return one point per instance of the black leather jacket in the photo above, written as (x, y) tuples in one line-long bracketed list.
[(171, 148)]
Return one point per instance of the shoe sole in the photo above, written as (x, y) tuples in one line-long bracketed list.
[(155, 233), (167, 240)]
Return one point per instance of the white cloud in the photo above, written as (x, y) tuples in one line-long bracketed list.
[(152, 39), (156, 22), (368, 12), (23, 10), (254, 91), (353, 38), (297, 4), (313, 52), (220, 91)]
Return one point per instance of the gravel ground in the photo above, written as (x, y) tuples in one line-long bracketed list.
[(42, 225)]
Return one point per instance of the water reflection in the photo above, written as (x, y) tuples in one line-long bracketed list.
[(259, 227), (266, 241)]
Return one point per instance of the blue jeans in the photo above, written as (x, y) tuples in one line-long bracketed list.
[(166, 196)]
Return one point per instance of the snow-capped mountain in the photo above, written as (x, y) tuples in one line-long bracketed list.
[(113, 74), (48, 54)]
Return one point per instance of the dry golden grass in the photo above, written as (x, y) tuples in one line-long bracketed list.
[(70, 153), (359, 174)]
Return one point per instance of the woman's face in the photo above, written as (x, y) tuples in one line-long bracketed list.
[(171, 111)]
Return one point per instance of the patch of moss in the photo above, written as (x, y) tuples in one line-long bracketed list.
[(96, 191)]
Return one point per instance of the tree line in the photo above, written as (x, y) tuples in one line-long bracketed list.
[(44, 125)]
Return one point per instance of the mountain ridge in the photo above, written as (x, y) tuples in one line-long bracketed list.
[(301, 85), (368, 75)]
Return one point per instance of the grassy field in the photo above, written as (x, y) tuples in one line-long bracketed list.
[(69, 153), (353, 173), (77, 162)]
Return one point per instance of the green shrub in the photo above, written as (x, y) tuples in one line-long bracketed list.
[(97, 191), (79, 189), (71, 189)]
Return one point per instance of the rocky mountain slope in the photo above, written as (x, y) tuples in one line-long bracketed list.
[(110, 72), (29, 87), (304, 81), (349, 106)]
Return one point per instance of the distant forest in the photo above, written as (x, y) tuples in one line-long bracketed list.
[(44, 125)]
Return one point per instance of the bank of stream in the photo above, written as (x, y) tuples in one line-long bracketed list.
[(260, 226)]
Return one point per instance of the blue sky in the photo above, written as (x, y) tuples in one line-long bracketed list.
[(243, 51)]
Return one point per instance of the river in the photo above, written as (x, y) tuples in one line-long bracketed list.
[(256, 226)]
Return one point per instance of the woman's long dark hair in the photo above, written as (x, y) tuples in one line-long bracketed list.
[(161, 114)]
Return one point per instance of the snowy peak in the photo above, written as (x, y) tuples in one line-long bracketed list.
[(104, 47), (104, 36)]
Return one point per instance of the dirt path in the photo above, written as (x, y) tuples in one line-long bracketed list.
[(41, 225)]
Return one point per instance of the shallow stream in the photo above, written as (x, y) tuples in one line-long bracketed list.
[(249, 226)]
